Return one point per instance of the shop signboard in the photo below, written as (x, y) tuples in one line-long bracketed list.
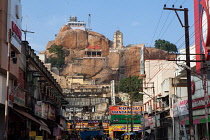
[(44, 113), (124, 127), (125, 119), (14, 22), (19, 98), (38, 109), (181, 108), (125, 110), (32, 133), (51, 113), (39, 138), (147, 120)]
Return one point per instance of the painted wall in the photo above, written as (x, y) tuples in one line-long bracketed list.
[(156, 72)]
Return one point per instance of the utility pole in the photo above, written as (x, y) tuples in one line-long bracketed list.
[(154, 105), (7, 86), (187, 45)]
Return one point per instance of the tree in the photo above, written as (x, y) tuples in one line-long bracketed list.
[(165, 45), (61, 54), (132, 85)]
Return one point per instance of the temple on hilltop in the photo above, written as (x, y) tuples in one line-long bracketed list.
[(74, 24), (118, 40)]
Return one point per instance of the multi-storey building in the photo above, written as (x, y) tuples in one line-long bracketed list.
[(30, 98), (10, 42)]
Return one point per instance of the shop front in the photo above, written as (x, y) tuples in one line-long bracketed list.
[(116, 131)]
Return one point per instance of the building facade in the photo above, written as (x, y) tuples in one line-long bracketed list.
[(118, 40), (10, 15)]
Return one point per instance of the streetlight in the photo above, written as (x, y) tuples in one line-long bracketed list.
[(154, 109)]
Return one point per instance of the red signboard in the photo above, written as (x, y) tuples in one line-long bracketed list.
[(202, 30), (192, 87), (16, 30)]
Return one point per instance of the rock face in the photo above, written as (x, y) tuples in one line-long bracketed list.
[(109, 65)]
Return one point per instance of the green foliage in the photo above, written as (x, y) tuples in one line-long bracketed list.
[(165, 45), (61, 54), (132, 85)]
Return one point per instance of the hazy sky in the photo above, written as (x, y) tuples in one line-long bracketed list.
[(140, 21)]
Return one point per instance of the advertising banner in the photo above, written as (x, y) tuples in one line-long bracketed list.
[(44, 113), (14, 22), (125, 119), (38, 109), (19, 98), (181, 108), (124, 110), (147, 120), (51, 113), (124, 128)]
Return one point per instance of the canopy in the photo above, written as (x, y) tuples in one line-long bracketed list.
[(196, 120), (128, 133)]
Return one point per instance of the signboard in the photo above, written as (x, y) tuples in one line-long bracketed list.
[(38, 109), (124, 110), (148, 120), (44, 107), (41, 109), (19, 98), (39, 138), (181, 108), (125, 119), (202, 30), (51, 113), (32, 133), (124, 127), (14, 22)]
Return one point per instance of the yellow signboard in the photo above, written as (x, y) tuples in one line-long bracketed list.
[(32, 134), (39, 138)]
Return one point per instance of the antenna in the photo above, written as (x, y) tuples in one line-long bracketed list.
[(26, 31), (89, 22)]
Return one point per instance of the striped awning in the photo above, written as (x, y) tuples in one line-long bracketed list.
[(196, 120)]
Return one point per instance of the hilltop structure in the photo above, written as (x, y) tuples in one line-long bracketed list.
[(75, 24), (118, 40)]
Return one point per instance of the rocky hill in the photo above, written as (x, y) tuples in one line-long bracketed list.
[(91, 55)]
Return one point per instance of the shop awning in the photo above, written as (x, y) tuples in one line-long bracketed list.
[(43, 126), (196, 120), (59, 126), (28, 116)]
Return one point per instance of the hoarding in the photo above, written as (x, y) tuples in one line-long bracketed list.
[(123, 119), (202, 30), (124, 110), (14, 22)]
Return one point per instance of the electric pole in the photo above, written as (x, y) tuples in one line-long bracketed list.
[(187, 45), (7, 86)]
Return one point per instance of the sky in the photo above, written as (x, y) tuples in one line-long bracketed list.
[(140, 21)]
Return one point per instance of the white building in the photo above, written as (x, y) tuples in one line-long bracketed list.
[(74, 24)]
